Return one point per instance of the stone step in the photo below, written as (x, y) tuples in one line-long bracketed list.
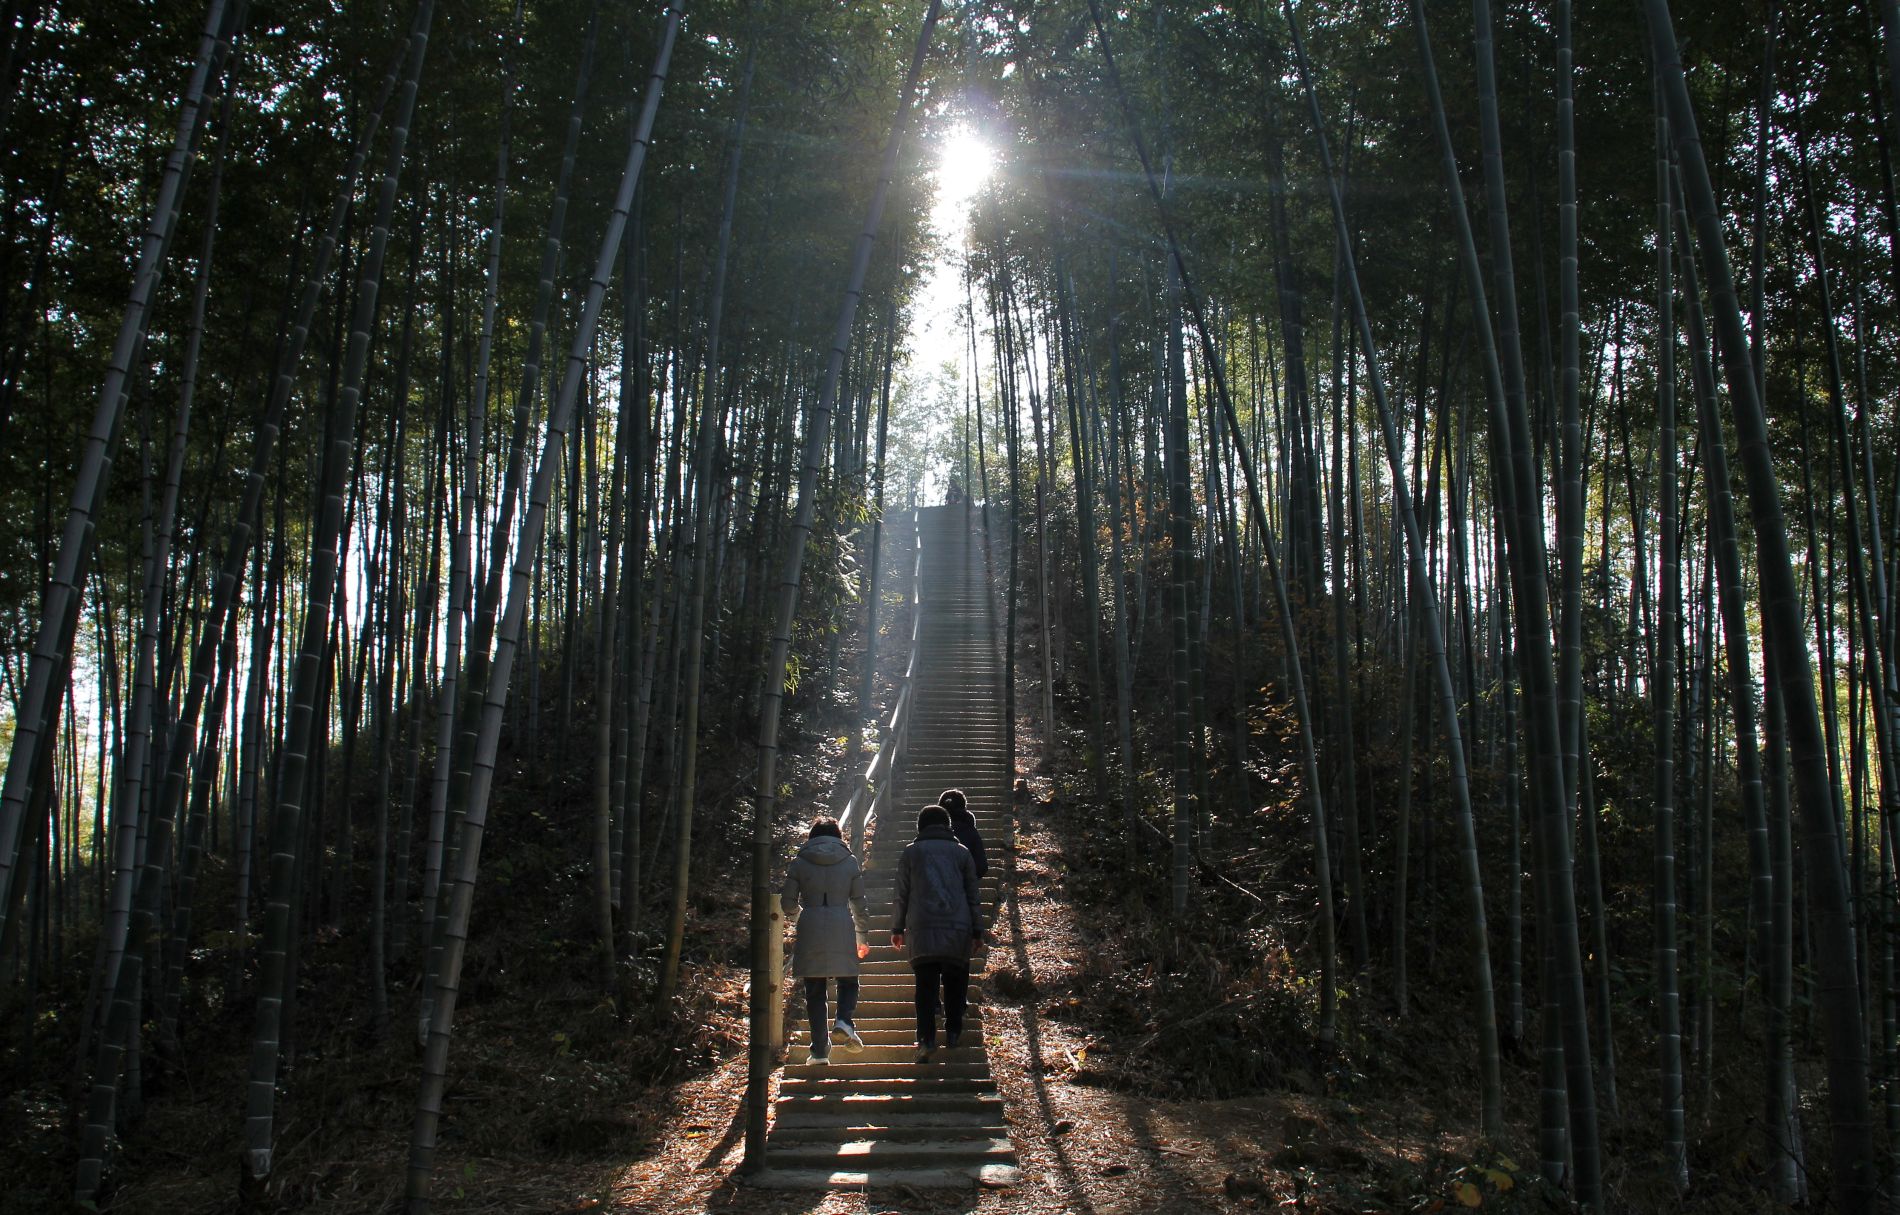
[(943, 744), (984, 732), (891, 993), (978, 785), (897, 1011), (903, 829), (995, 1176), (942, 725), (898, 1032), (986, 809), (833, 1081), (895, 1054), (897, 1128), (899, 1028), (872, 1106), (949, 761), (896, 968), (871, 1153), (897, 1006), (894, 1013)]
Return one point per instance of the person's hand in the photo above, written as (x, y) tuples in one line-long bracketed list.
[(897, 939), (864, 950)]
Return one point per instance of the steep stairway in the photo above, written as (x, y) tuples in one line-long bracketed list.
[(879, 1117)]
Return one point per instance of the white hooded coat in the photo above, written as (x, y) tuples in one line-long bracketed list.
[(826, 879)]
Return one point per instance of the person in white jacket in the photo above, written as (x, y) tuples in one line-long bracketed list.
[(827, 880)]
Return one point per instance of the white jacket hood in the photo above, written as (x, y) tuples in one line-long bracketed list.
[(825, 850)]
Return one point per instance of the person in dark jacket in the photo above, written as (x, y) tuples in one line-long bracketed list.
[(963, 826), (938, 924), (826, 878)]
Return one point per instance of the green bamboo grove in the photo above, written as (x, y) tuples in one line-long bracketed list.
[(1437, 461)]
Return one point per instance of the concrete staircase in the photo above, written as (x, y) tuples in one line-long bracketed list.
[(879, 1117)]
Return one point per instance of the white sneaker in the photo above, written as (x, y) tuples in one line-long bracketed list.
[(817, 1060), (845, 1032)]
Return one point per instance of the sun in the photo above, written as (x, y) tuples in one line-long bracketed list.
[(964, 163)]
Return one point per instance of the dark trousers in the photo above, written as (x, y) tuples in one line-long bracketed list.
[(815, 1008), (953, 976)]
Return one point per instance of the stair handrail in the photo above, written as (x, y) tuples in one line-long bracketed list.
[(876, 786)]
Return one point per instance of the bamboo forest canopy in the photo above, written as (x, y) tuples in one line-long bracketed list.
[(1464, 432)]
